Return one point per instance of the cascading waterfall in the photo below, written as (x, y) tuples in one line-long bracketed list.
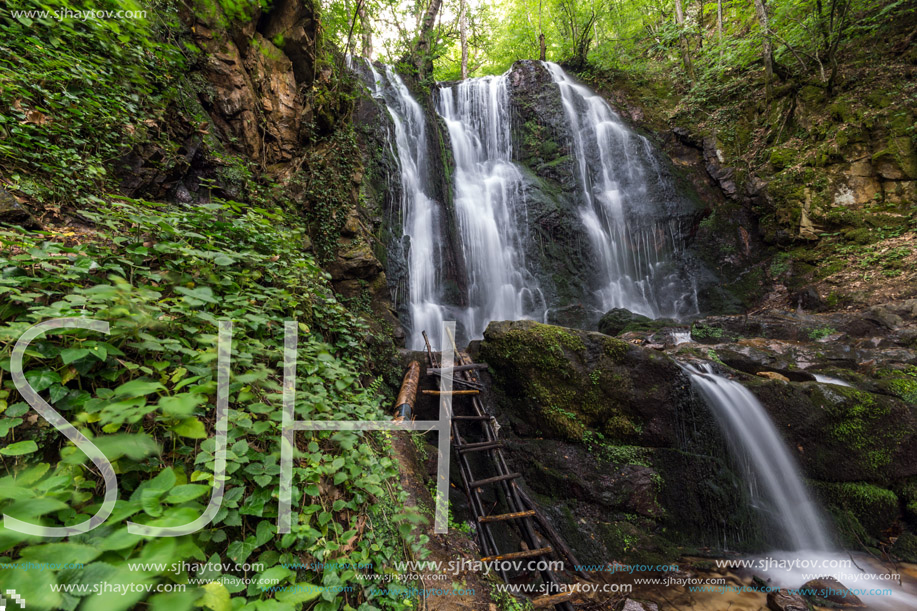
[(828, 380), (634, 237), (777, 488), (489, 204), (420, 214)]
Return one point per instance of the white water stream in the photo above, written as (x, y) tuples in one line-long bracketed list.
[(775, 483), (489, 204), (626, 196)]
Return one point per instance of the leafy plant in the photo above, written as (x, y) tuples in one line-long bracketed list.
[(162, 277)]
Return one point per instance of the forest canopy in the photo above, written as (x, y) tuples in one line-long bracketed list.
[(701, 39)]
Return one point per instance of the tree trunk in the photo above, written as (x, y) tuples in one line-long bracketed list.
[(685, 50), (367, 47), (768, 52), (463, 33), (424, 46), (719, 23), (543, 47)]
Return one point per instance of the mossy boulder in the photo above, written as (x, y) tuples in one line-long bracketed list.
[(905, 547), (843, 434), (562, 382), (626, 460), (876, 509), (620, 320)]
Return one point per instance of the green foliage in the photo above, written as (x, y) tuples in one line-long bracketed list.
[(162, 277), (507, 602), (821, 333), (618, 454), (326, 189), (76, 94)]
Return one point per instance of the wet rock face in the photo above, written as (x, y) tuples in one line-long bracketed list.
[(783, 600), (14, 213), (829, 590), (615, 447), (622, 457), (557, 240)]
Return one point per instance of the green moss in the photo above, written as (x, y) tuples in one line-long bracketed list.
[(905, 547), (615, 349), (782, 158), (874, 508), (856, 422), (904, 388)]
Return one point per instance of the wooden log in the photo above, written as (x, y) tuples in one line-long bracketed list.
[(494, 480), (451, 392), (529, 553), (404, 404), (507, 516), (438, 370), (479, 447), (546, 602)]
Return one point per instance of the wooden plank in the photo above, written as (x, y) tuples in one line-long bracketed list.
[(431, 371), (451, 392), (477, 447), (546, 602), (494, 480), (507, 516), (529, 553)]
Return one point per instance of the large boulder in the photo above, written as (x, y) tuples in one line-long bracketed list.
[(784, 600), (624, 459), (619, 320), (14, 213), (828, 591)]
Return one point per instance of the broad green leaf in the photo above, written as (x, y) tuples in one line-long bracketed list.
[(69, 355), (42, 379), (215, 598), (191, 428), (181, 405), (188, 492), (299, 593), (138, 388), (54, 552), (19, 448)]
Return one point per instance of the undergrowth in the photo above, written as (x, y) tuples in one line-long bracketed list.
[(163, 277)]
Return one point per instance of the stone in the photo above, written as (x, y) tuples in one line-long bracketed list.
[(829, 589), (355, 263), (14, 213), (772, 375), (900, 192), (629, 604), (617, 320), (271, 75), (783, 600)]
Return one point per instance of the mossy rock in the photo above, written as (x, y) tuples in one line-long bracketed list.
[(619, 320), (905, 547), (559, 383), (782, 158), (876, 509)]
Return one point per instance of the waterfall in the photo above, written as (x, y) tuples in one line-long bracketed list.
[(627, 212), (421, 234), (489, 205), (828, 380), (628, 208), (776, 486)]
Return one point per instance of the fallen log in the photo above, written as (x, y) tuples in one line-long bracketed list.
[(404, 404)]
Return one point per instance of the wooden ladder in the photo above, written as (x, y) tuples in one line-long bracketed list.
[(519, 512)]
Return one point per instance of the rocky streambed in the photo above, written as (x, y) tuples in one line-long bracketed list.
[(630, 465)]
